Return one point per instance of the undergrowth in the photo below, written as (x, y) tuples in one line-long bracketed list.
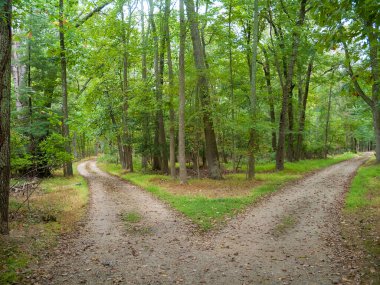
[(54, 209)]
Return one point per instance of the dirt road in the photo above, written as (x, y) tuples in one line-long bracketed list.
[(290, 238)]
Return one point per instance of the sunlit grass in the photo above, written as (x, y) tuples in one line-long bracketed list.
[(209, 212)]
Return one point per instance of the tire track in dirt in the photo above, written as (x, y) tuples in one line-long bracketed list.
[(280, 241)]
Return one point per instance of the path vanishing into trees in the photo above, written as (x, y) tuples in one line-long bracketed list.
[(289, 238)]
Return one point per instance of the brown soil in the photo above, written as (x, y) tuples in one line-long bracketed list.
[(228, 187), (290, 238)]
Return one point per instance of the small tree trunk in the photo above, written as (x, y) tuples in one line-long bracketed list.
[(290, 136), (328, 120), (272, 114)]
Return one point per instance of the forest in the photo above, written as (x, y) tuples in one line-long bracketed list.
[(185, 89)]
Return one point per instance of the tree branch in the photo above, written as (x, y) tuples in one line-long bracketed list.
[(90, 14), (354, 78)]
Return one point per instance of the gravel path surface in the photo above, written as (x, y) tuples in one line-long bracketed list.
[(288, 238)]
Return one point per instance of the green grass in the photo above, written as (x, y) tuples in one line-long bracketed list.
[(131, 217), (365, 188), (210, 212), (284, 225), (55, 209), (362, 210)]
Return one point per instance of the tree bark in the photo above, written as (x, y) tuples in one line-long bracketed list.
[(287, 87), (253, 136), (127, 162), (171, 89), (68, 167), (158, 70), (232, 93), (203, 85), (328, 119), (18, 73), (182, 98), (145, 146), (5, 108), (303, 95), (272, 114), (290, 137)]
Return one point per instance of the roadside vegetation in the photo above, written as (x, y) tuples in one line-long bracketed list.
[(361, 225), (55, 207), (209, 203)]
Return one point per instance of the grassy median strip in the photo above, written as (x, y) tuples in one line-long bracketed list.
[(54, 208), (208, 203)]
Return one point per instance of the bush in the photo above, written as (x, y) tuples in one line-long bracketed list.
[(53, 151), (20, 159)]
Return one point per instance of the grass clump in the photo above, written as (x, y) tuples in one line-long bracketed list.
[(131, 217), (207, 202), (284, 225), (54, 208)]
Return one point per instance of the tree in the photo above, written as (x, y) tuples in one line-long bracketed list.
[(68, 167), (358, 33), (211, 150), (288, 85), (182, 99), (253, 135), (5, 106)]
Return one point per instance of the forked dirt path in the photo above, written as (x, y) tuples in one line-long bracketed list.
[(286, 239)]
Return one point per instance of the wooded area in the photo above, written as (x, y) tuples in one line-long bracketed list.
[(202, 83)]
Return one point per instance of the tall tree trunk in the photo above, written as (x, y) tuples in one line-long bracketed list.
[(145, 147), (127, 146), (303, 95), (287, 87), (182, 99), (325, 152), (68, 167), (232, 93), (253, 136), (158, 70), (272, 114), (203, 85), (171, 90), (5, 110)]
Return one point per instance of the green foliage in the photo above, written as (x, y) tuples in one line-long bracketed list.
[(53, 149), (20, 157)]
